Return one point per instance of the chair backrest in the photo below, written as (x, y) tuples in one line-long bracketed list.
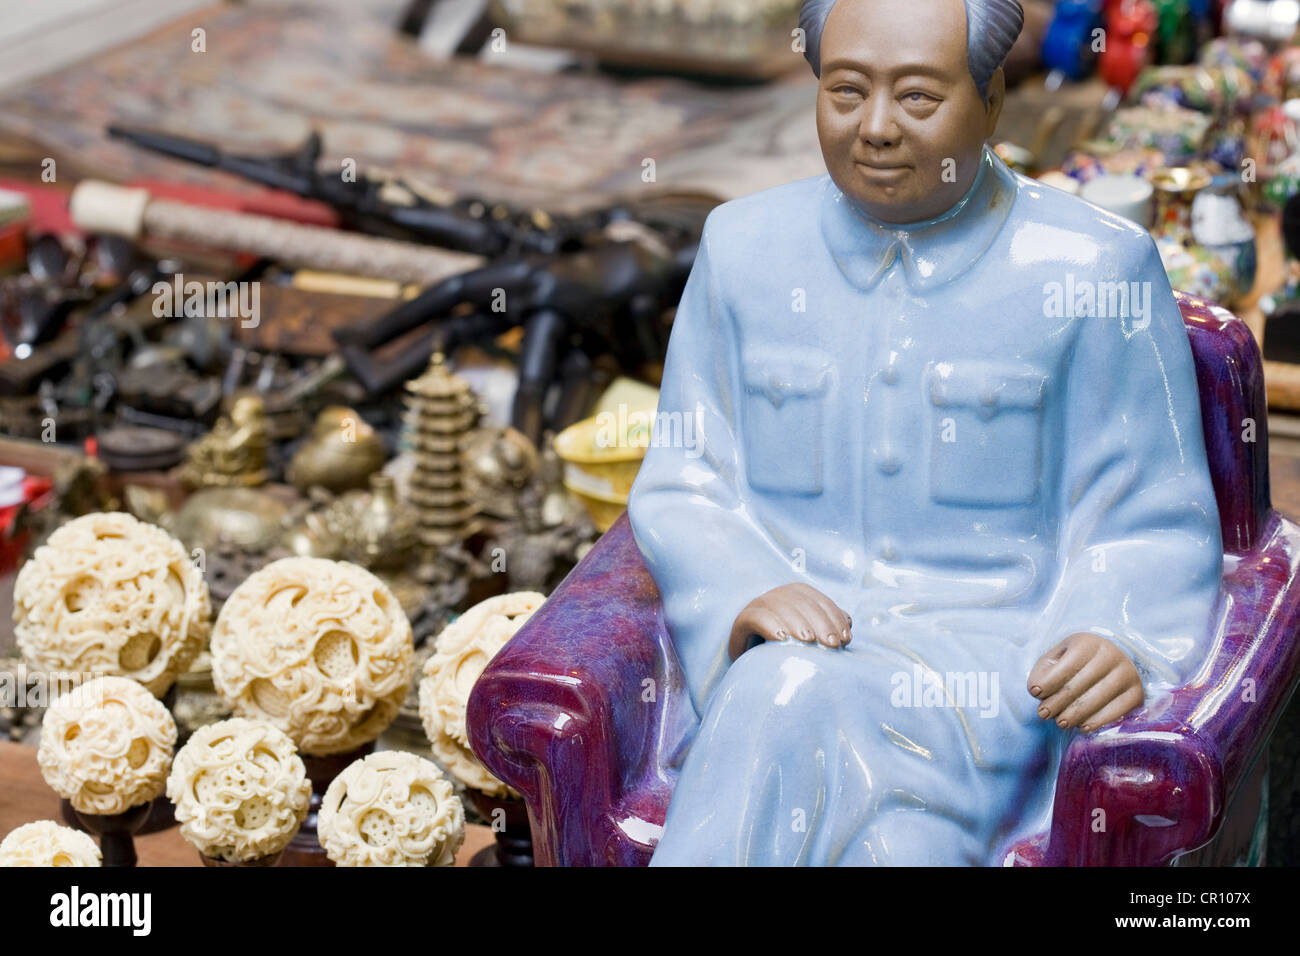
[(1234, 416)]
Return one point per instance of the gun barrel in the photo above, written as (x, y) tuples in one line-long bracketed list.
[(177, 147)]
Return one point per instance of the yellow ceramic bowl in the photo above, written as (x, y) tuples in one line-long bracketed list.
[(600, 464)]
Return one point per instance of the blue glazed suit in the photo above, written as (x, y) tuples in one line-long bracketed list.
[(967, 437)]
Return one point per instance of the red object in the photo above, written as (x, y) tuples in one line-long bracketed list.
[(13, 255), (49, 207), (13, 245), (1130, 25), (265, 202), (37, 492), (49, 204)]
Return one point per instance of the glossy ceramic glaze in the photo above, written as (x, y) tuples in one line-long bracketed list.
[(565, 715), (968, 438), (974, 449)]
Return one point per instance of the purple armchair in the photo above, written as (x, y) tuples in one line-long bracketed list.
[(585, 709)]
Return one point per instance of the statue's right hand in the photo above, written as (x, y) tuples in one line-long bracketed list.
[(796, 611)]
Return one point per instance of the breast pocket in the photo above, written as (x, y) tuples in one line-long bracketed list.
[(784, 430), (985, 433)]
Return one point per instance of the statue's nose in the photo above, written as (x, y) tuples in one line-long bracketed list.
[(878, 127)]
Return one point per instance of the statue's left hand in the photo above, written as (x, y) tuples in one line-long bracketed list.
[(1086, 681)]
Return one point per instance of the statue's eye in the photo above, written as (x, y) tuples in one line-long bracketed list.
[(919, 103)]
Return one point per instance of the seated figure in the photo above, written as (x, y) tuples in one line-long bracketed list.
[(929, 490), (234, 452)]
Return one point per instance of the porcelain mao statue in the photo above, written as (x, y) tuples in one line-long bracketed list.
[(945, 500)]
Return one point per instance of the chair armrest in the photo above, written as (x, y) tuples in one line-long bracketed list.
[(1157, 785), (584, 708), (1230, 379)]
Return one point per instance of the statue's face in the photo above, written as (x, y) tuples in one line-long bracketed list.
[(901, 123)]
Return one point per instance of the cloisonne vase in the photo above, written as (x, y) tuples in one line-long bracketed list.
[(1192, 267), (1278, 142), (1220, 224)]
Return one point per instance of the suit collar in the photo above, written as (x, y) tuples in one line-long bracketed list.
[(934, 252)]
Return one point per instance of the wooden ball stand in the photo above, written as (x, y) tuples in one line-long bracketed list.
[(161, 815), (514, 841), (305, 849), (116, 833), (271, 860)]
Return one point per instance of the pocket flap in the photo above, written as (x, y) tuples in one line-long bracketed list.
[(788, 372), (992, 385)]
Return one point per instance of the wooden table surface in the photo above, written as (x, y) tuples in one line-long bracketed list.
[(25, 797)]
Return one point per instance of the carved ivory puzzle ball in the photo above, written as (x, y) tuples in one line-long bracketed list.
[(391, 809), (107, 746), (240, 790), (109, 594), (45, 843), (464, 648), (319, 648)]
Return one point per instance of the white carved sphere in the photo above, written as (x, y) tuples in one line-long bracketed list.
[(319, 648), (240, 790), (108, 594), (464, 649), (391, 809), (107, 746), (45, 843)]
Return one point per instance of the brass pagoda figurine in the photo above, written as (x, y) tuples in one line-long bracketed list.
[(441, 412)]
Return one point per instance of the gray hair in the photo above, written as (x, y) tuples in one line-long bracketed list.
[(991, 27)]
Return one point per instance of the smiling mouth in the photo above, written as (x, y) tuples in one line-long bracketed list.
[(882, 174)]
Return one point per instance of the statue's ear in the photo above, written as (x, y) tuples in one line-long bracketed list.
[(993, 100)]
